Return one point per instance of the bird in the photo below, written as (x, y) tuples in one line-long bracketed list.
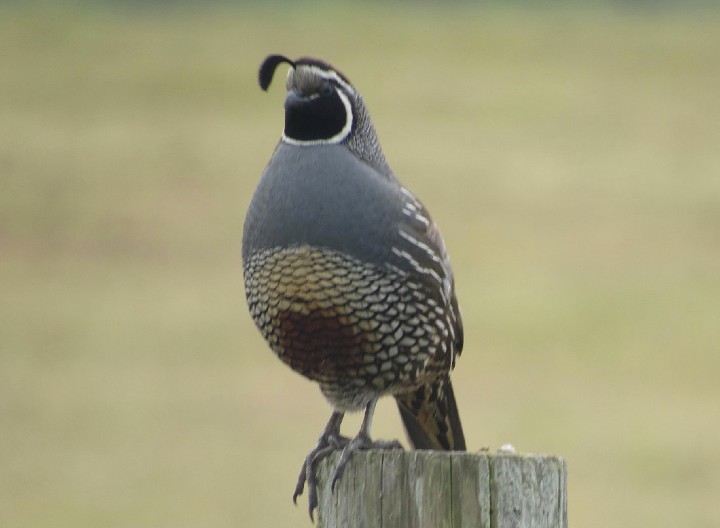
[(347, 276)]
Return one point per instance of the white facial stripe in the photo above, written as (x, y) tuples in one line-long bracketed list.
[(337, 138), (348, 121), (331, 76)]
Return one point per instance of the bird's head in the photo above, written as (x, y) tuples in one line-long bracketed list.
[(323, 107)]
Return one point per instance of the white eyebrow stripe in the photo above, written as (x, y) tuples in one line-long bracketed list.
[(331, 76)]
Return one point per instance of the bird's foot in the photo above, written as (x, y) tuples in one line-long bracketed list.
[(360, 443), (329, 442)]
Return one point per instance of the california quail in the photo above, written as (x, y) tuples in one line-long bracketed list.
[(346, 274)]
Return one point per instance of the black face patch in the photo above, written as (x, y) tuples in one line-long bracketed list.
[(318, 118)]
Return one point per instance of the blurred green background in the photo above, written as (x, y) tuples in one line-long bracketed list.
[(570, 155)]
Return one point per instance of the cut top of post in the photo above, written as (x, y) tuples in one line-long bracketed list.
[(436, 489)]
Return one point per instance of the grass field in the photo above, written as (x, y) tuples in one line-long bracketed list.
[(571, 157)]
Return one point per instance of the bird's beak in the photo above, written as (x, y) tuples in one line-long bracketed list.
[(294, 99)]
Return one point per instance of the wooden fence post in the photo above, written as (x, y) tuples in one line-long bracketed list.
[(435, 489)]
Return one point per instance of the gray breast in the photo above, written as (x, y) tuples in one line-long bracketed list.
[(324, 196)]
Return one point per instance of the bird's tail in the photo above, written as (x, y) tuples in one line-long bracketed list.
[(430, 416)]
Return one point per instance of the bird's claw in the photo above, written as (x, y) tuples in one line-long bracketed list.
[(325, 446), (322, 450), (360, 443), (331, 440)]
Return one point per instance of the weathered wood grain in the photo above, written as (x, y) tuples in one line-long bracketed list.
[(434, 489)]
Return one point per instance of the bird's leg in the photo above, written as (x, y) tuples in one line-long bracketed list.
[(329, 441), (362, 441)]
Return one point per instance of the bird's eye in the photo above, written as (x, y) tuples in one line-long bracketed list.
[(326, 90)]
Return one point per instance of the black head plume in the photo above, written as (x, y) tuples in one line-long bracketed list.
[(267, 69)]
